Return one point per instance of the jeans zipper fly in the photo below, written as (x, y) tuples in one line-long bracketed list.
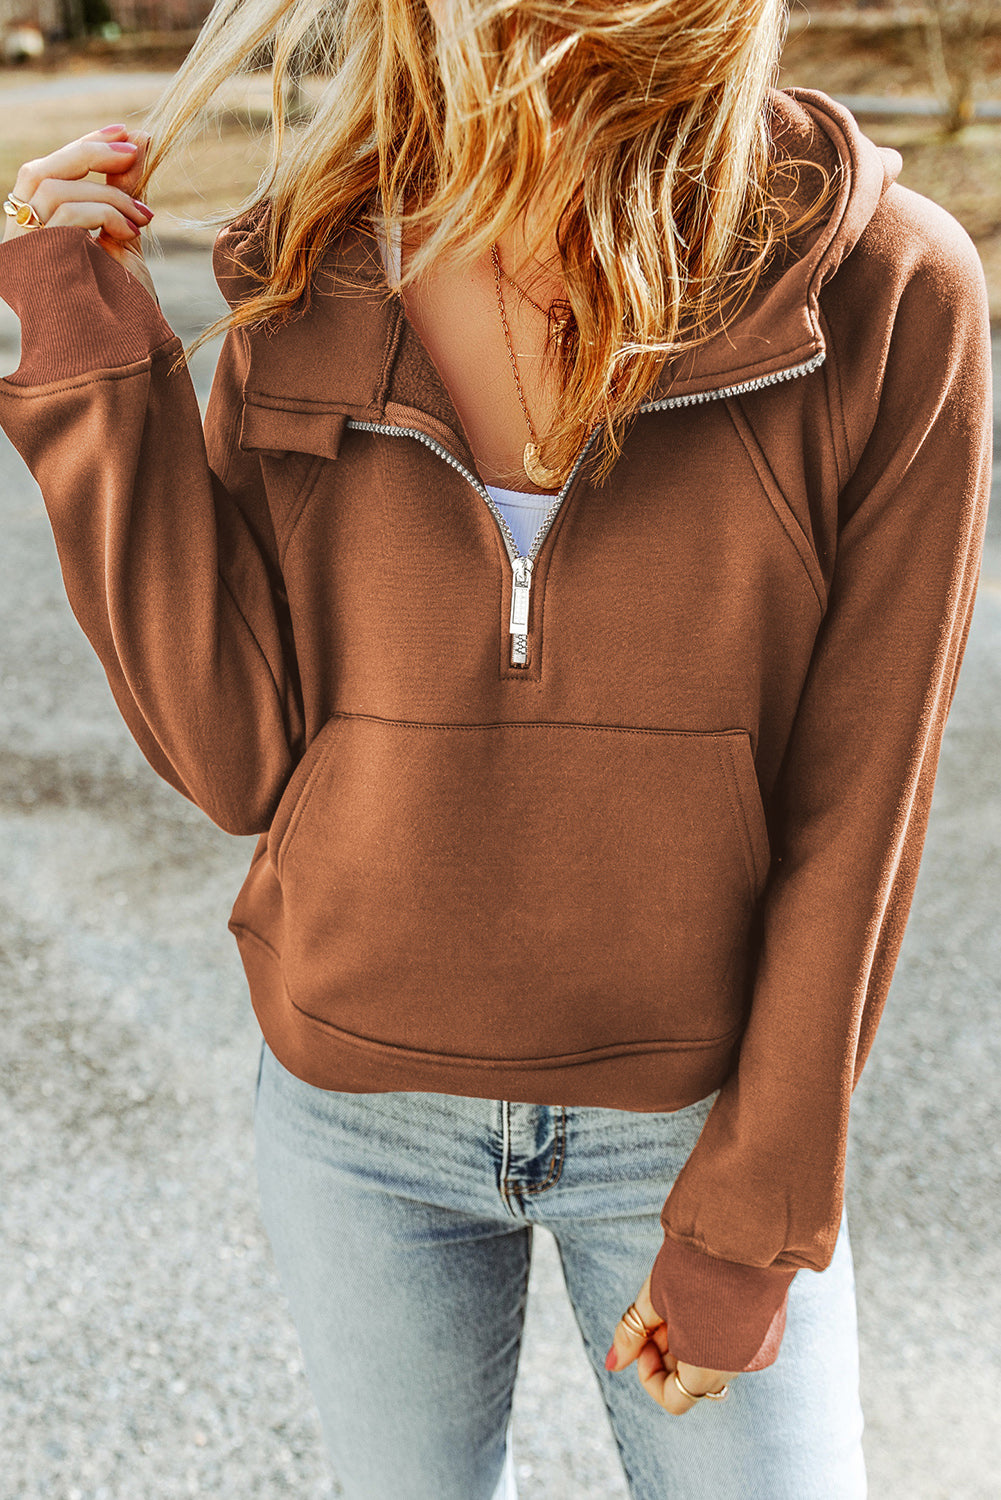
[(522, 564)]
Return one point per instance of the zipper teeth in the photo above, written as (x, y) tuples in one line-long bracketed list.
[(696, 398), (721, 392), (550, 516), (506, 532), (450, 458)]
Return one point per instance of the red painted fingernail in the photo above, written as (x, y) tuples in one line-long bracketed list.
[(142, 208), (611, 1358), (120, 146)]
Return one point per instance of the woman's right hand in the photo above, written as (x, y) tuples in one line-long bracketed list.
[(59, 190)]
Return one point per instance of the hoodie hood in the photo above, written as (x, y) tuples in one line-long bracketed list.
[(360, 330), (779, 327)]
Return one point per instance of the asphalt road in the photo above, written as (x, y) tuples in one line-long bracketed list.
[(146, 1352)]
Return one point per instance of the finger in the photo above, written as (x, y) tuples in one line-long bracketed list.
[(655, 1370), (47, 180), (626, 1342), (57, 202), (96, 152), (656, 1373), (128, 177), (700, 1379), (92, 213), (84, 213)]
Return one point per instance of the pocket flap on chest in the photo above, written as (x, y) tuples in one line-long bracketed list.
[(274, 429)]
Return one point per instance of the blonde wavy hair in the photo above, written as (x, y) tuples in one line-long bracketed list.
[(646, 122)]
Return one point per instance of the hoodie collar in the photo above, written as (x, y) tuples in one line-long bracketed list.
[(337, 361)]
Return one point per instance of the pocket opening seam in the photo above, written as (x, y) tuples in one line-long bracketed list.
[(728, 773), (740, 818), (688, 734), (302, 802)]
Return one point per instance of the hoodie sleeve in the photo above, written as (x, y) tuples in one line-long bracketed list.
[(761, 1194), (157, 523)]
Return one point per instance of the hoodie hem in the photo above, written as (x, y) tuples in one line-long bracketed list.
[(650, 1077)]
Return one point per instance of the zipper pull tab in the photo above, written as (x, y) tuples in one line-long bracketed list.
[(520, 589)]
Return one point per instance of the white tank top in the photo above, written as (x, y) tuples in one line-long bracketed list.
[(522, 511)]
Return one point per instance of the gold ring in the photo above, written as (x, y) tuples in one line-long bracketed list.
[(635, 1324), (22, 213), (699, 1395)]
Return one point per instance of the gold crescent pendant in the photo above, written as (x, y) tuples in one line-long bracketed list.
[(546, 479)]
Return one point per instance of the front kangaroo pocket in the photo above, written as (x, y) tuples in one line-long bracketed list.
[(520, 890)]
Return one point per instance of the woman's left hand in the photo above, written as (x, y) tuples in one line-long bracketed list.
[(655, 1364)]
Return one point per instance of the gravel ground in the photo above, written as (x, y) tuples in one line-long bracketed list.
[(146, 1351)]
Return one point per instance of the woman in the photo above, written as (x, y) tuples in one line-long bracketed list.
[(569, 591)]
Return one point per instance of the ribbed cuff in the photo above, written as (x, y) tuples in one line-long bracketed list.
[(720, 1315), (80, 311)]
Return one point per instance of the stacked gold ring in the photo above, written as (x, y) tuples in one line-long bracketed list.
[(634, 1322), (22, 213)]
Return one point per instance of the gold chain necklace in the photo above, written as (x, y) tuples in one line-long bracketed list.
[(521, 290), (538, 473)]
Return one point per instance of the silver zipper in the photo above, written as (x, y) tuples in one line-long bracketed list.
[(521, 566), (807, 368)]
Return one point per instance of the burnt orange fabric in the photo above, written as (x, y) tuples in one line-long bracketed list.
[(675, 850)]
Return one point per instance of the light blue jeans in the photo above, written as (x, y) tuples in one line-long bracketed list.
[(401, 1226)]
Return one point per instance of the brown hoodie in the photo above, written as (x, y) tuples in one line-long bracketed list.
[(659, 838)]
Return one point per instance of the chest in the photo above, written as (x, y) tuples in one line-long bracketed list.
[(456, 314)]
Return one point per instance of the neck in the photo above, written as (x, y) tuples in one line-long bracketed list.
[(529, 252)]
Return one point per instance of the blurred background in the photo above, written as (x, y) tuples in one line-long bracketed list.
[(145, 1348)]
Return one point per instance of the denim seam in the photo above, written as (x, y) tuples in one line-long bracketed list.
[(556, 1160)]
